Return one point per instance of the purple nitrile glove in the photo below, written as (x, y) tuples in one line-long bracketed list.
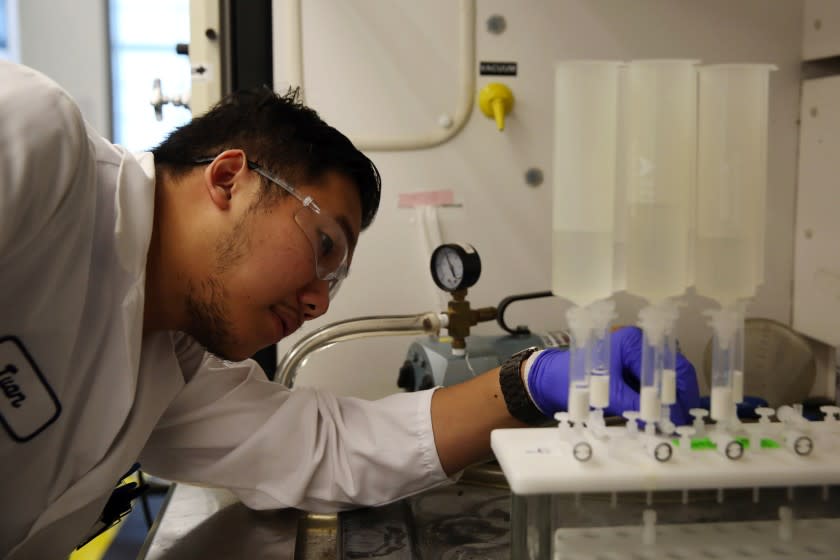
[(548, 379)]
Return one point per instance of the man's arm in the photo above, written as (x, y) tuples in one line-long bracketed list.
[(230, 427), (463, 416)]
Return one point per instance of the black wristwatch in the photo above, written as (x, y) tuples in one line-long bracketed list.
[(518, 402)]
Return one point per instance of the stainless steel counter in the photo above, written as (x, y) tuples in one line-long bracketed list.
[(467, 521), (460, 521), (207, 523)]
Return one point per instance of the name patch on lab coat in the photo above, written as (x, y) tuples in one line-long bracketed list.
[(27, 403)]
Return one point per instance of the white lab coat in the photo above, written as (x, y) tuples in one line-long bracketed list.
[(83, 394)]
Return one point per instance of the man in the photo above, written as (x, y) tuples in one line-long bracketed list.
[(133, 286)]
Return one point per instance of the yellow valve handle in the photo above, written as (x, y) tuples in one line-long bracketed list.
[(495, 101), (499, 113)]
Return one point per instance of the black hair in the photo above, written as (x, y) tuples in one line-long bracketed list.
[(280, 134)]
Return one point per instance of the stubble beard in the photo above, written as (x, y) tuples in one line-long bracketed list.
[(206, 304), (208, 316)]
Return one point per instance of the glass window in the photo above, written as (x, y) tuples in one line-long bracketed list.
[(4, 35), (143, 39), (4, 30)]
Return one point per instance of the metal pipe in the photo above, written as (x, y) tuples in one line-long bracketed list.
[(351, 329)]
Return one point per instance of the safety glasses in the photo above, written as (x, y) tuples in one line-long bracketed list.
[(328, 239)]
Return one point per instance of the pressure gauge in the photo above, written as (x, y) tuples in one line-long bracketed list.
[(455, 267)]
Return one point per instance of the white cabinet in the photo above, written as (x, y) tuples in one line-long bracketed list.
[(821, 33), (816, 298)]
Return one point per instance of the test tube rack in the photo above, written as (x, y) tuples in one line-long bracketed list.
[(546, 463)]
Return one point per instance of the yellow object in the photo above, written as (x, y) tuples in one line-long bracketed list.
[(98, 547), (495, 101)]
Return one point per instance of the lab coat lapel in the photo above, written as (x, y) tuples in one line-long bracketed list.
[(135, 207), (132, 232)]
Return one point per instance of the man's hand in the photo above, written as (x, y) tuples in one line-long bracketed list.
[(548, 378)]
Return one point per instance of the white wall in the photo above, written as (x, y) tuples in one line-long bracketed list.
[(389, 67), (68, 41)]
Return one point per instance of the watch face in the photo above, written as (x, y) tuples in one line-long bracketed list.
[(449, 268)]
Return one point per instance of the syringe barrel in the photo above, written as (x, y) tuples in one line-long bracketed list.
[(601, 315), (599, 370), (649, 402), (738, 364), (658, 323), (725, 324), (580, 334), (578, 384), (721, 400), (668, 394)]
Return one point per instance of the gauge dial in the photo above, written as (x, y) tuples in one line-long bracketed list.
[(455, 267)]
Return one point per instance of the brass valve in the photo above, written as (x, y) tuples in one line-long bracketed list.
[(462, 317)]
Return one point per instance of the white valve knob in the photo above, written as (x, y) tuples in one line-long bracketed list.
[(562, 419), (685, 433), (666, 426), (791, 416), (764, 414), (632, 417), (830, 412), (699, 424)]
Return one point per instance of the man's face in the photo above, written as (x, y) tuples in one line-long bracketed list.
[(263, 283)]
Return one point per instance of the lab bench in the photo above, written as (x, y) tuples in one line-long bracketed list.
[(471, 520)]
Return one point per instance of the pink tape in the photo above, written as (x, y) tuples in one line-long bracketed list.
[(426, 198)]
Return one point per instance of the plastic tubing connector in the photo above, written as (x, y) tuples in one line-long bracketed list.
[(496, 101)]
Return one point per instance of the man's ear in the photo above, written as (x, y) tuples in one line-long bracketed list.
[(222, 175)]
